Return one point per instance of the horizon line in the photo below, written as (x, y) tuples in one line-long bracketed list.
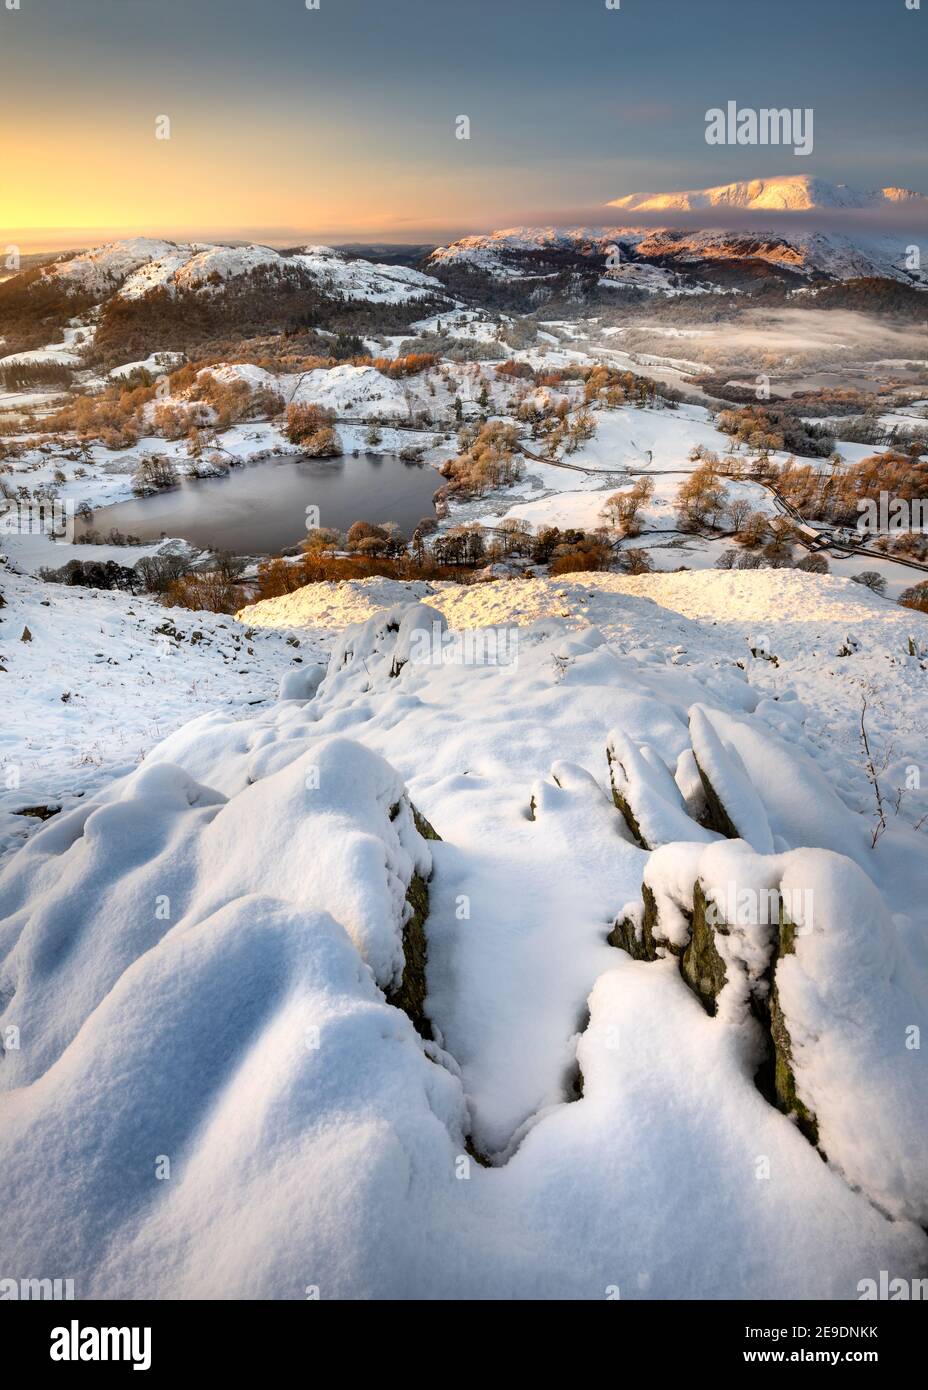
[(911, 216)]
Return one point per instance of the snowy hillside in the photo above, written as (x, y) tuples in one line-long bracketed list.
[(349, 391), (134, 268), (103, 269), (514, 254), (92, 680), (457, 978)]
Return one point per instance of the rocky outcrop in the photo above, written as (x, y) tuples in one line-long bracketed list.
[(411, 991), (715, 816), (622, 805), (410, 994), (785, 1095), (734, 807), (646, 795), (704, 969), (701, 965), (646, 943)]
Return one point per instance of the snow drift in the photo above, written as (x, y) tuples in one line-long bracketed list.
[(214, 1081)]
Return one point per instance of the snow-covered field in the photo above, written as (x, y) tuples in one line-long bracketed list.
[(199, 956)]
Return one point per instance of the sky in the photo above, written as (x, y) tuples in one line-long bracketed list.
[(339, 123)]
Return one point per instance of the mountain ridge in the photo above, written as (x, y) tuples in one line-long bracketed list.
[(139, 265), (789, 192), (633, 251)]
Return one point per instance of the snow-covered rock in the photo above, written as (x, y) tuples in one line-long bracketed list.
[(803, 943)]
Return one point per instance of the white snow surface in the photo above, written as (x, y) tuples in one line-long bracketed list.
[(195, 956), (105, 676)]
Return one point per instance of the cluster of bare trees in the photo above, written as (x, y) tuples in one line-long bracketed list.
[(834, 495), (311, 426), (703, 504), (155, 473), (613, 388), (916, 597), (764, 429), (700, 498), (216, 589), (552, 422), (366, 538), (488, 459), (622, 508)]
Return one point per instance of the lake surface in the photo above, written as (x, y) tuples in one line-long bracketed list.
[(260, 508)]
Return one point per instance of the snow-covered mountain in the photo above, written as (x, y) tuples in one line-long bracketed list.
[(131, 269), (793, 192), (700, 255), (537, 254)]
